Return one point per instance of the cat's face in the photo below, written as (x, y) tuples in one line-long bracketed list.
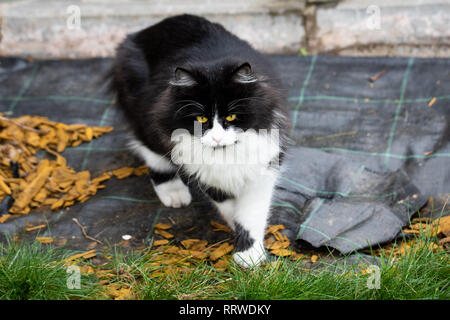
[(218, 103)]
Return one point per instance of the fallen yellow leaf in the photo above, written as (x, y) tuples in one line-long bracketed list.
[(162, 226), (36, 227), (4, 187), (444, 225), (83, 255), (222, 250), (194, 244), (220, 227), (44, 240), (5, 217), (221, 264), (282, 252), (274, 228), (160, 242), (123, 172), (432, 102), (164, 234)]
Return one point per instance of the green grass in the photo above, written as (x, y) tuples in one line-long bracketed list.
[(420, 274), (28, 271)]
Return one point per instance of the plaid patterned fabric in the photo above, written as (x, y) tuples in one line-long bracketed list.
[(365, 155)]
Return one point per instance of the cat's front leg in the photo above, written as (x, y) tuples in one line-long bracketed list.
[(168, 186), (250, 220), (170, 189)]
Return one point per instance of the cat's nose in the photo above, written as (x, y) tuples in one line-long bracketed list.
[(216, 139)]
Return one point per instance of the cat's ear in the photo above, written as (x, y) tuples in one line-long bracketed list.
[(182, 77), (244, 74)]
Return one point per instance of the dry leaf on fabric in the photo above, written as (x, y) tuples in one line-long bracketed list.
[(164, 234), (83, 255), (279, 245), (5, 217), (47, 182), (444, 241), (268, 242), (157, 243), (222, 250), (33, 228), (4, 187), (220, 227), (162, 226), (296, 256), (282, 252), (221, 264), (44, 240), (123, 172), (274, 228), (194, 244), (172, 249), (87, 269), (444, 225)]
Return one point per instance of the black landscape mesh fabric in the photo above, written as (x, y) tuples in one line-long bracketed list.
[(366, 154)]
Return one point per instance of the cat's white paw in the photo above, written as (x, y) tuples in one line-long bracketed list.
[(173, 193), (250, 257)]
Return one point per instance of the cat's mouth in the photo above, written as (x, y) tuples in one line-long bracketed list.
[(223, 146)]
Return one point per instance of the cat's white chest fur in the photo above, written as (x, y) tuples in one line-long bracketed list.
[(227, 168)]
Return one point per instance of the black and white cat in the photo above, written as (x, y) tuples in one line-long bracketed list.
[(208, 110)]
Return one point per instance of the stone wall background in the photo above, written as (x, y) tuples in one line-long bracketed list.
[(48, 28)]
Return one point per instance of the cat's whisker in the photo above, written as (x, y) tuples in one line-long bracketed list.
[(191, 114), (248, 111), (235, 107), (246, 98), (233, 103), (166, 154), (190, 101), (189, 105), (178, 170)]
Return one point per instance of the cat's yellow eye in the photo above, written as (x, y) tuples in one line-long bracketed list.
[(231, 117), (202, 119)]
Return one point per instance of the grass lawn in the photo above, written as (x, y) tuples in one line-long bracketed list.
[(37, 271)]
